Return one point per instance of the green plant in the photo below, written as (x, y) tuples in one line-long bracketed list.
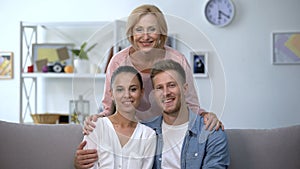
[(82, 53)]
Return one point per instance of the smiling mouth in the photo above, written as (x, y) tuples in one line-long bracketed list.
[(168, 101), (127, 102), (147, 43)]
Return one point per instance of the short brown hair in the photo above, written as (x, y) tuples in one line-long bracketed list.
[(165, 65), (141, 11)]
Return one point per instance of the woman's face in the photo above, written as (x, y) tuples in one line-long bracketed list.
[(146, 33), (126, 92)]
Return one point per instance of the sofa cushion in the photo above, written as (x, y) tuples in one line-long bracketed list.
[(264, 148), (38, 146), (53, 147)]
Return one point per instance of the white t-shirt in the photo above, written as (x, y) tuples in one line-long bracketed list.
[(173, 137), (137, 153)]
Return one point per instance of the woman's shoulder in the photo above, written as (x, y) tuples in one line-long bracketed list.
[(147, 131), (173, 52), (118, 59), (102, 121), (121, 55), (176, 56), (101, 125)]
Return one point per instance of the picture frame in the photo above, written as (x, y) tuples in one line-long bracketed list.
[(285, 48), (6, 65), (44, 53), (199, 63), (171, 41)]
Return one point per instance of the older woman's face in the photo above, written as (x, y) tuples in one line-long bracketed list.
[(146, 33)]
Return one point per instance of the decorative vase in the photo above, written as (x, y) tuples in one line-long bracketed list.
[(79, 110), (81, 66)]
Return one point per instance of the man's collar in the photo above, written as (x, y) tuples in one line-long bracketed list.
[(192, 122), (192, 127)]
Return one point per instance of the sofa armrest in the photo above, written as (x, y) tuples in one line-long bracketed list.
[(264, 148)]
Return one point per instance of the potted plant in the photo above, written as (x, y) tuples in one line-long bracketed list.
[(81, 62)]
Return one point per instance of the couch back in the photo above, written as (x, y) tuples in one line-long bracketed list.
[(277, 148), (26, 146), (53, 147)]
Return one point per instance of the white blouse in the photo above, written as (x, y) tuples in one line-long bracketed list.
[(137, 153)]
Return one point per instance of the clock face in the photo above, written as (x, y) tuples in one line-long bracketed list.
[(219, 12)]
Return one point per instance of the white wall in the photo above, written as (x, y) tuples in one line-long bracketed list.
[(243, 86)]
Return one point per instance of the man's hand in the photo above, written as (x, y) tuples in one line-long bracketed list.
[(88, 123), (211, 121), (85, 159)]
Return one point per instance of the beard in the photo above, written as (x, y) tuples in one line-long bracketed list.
[(173, 111)]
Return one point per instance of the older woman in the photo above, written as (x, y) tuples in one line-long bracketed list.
[(147, 32)]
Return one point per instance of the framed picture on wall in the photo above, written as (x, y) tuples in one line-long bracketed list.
[(6, 65), (285, 48), (199, 63)]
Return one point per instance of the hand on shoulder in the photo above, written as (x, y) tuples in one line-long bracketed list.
[(89, 123)]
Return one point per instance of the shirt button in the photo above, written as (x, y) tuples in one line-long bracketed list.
[(159, 159), (196, 154), (119, 166)]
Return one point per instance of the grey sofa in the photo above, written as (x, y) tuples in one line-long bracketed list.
[(53, 147)]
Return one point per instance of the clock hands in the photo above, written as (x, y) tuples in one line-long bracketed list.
[(220, 13)]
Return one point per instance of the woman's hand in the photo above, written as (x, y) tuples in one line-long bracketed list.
[(211, 121), (89, 124)]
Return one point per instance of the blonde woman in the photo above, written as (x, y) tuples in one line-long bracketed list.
[(147, 32)]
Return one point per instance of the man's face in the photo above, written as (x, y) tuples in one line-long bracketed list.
[(167, 89)]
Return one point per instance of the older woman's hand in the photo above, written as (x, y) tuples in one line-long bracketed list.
[(89, 124), (211, 121)]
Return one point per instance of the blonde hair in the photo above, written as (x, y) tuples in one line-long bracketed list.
[(141, 11)]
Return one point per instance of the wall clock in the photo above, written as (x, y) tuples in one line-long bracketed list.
[(219, 12)]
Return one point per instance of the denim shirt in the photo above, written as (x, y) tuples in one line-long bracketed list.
[(201, 148)]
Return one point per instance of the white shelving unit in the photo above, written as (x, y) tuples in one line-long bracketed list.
[(63, 75), (32, 85)]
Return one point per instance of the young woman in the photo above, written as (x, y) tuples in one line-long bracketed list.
[(121, 141)]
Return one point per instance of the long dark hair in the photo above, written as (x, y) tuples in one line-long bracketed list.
[(122, 69)]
